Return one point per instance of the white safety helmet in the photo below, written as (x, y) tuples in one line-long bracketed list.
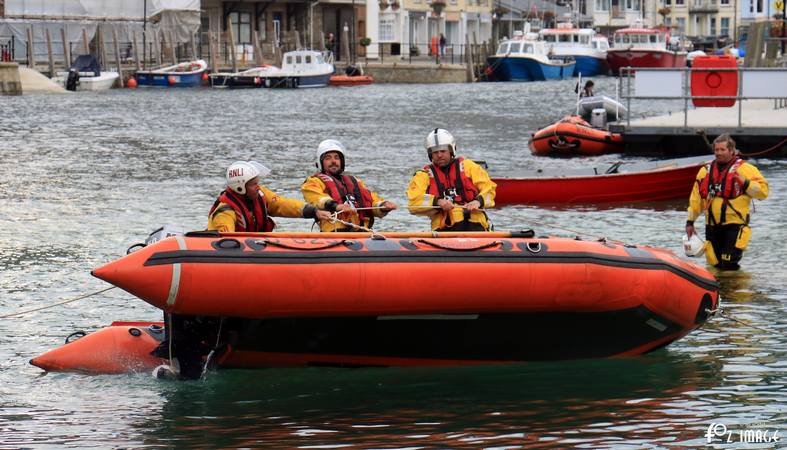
[(693, 246), (329, 145), (440, 139), (241, 172)]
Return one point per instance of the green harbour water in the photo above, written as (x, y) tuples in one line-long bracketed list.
[(84, 176)]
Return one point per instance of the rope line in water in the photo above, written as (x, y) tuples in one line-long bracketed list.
[(56, 304), (722, 314)]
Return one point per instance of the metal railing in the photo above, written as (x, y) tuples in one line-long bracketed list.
[(629, 73)]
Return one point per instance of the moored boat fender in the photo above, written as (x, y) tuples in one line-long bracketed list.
[(120, 348)]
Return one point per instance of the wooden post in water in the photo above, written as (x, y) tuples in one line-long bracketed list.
[(66, 50), (346, 43), (117, 57), (255, 42), (157, 47), (194, 47), (85, 42), (31, 57), (103, 46), (231, 37), (322, 41), (211, 52), (475, 57), (135, 48), (297, 39), (49, 53), (172, 48)]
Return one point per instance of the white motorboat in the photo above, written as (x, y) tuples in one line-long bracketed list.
[(614, 109), (300, 68), (582, 44), (85, 75)]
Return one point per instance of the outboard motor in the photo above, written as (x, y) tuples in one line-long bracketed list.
[(598, 118), (352, 71), (73, 80)]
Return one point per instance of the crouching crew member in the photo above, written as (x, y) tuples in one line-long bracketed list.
[(723, 190), (246, 205), (453, 191), (332, 189)]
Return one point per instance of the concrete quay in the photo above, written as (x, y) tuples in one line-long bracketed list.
[(763, 126)]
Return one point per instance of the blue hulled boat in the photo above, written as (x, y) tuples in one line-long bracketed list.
[(582, 44), (525, 58), (185, 74)]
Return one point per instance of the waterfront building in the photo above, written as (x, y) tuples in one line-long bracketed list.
[(611, 15), (707, 23)]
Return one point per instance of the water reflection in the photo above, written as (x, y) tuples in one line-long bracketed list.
[(501, 405)]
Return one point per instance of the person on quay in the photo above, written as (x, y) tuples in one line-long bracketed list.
[(723, 190), (246, 205), (334, 190), (453, 191)]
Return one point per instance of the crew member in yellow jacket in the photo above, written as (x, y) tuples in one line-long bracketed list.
[(453, 191), (723, 190), (246, 205), (336, 191)]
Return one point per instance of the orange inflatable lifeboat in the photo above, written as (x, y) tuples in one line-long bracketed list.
[(574, 136), (347, 80), (348, 299), (714, 83)]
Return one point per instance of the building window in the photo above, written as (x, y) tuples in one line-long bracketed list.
[(725, 26), (602, 5), (759, 7), (241, 26), (386, 31), (679, 2), (712, 26), (681, 24), (725, 2)]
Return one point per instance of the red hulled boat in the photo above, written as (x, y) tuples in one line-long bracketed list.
[(617, 183), (643, 47)]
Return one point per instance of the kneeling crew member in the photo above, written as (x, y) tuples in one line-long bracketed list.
[(452, 190), (246, 205), (332, 189), (724, 189)]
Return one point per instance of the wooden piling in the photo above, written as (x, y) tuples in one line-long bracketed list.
[(297, 39), (322, 41), (172, 48), (231, 37), (50, 55), (117, 57), (103, 46), (194, 47), (31, 57), (256, 48), (346, 43), (66, 49), (85, 42), (157, 47), (212, 52), (135, 49)]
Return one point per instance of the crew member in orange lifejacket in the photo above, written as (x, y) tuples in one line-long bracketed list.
[(724, 189), (332, 189), (453, 191), (245, 205)]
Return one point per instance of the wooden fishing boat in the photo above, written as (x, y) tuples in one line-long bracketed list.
[(617, 182), (536, 299), (571, 136), (185, 74)]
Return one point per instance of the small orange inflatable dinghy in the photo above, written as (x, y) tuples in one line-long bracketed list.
[(574, 136), (347, 80)]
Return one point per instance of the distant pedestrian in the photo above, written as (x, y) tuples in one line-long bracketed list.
[(442, 45)]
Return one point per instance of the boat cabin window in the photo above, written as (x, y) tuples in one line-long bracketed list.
[(550, 38), (528, 48), (565, 38), (584, 39), (298, 59), (318, 59), (503, 48), (308, 59), (653, 39), (289, 59)]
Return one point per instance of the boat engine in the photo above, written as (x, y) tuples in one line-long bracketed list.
[(73, 80), (598, 118)]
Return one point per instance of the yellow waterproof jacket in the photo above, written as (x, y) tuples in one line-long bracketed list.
[(420, 202), (315, 192), (224, 219), (737, 208)]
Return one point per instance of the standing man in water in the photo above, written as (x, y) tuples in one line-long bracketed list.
[(724, 189), (453, 191), (332, 189)]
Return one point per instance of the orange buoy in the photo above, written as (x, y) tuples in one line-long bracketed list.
[(204, 76), (131, 83), (172, 80)]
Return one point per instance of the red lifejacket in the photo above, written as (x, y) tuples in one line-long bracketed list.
[(347, 189), (721, 182), (456, 185), (252, 220)]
